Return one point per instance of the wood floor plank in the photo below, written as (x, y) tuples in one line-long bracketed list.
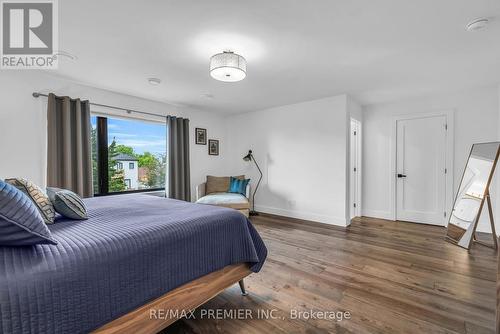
[(392, 277)]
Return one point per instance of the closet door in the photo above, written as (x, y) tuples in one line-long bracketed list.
[(421, 170)]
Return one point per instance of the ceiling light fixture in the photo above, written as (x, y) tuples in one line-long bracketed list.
[(228, 67), (154, 81), (61, 53), (477, 24)]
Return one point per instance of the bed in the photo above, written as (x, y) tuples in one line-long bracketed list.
[(133, 253)]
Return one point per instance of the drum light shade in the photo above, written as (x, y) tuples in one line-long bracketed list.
[(228, 66)]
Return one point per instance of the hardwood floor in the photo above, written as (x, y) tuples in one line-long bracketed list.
[(392, 277)]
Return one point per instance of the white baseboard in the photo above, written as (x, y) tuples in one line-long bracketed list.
[(378, 214), (484, 229), (320, 218)]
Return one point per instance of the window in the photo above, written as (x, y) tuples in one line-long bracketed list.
[(118, 142)]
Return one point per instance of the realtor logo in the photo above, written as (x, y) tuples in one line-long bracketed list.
[(29, 34)]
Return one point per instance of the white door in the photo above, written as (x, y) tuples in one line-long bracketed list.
[(421, 170), (355, 166)]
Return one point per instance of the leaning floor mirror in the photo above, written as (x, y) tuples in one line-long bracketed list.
[(473, 193)]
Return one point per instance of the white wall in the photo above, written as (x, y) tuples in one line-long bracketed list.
[(496, 200), (301, 149), (476, 120), (354, 109), (23, 123)]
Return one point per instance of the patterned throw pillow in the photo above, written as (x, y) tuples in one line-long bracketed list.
[(67, 203), (20, 221), (38, 197)]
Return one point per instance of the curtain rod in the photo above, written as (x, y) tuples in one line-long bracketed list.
[(129, 111)]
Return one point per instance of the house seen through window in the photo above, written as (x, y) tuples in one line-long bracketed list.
[(127, 155)]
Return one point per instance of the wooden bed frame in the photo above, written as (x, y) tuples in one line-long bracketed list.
[(186, 298)]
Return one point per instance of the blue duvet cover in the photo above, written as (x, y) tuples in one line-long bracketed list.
[(131, 250)]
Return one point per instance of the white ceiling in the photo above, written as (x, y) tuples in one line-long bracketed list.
[(296, 50)]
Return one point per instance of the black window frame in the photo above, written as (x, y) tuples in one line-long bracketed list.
[(102, 163), (131, 165)]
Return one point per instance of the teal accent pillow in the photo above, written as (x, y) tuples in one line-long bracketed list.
[(238, 186), (67, 203)]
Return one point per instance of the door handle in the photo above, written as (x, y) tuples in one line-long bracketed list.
[(401, 175)]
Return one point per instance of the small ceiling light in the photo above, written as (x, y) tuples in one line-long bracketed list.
[(60, 53), (477, 24), (228, 66), (154, 81)]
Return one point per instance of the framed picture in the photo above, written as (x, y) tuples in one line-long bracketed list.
[(213, 147), (201, 136)]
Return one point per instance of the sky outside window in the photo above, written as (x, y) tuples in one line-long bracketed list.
[(141, 136), (136, 155)]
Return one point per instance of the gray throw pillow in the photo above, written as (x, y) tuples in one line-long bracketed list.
[(67, 203), (20, 221), (38, 197)]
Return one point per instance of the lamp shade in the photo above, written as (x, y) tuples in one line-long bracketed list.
[(248, 157), (228, 66)]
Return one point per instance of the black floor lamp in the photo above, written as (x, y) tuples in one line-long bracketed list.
[(250, 157)]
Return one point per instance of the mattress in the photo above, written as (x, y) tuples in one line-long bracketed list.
[(131, 250)]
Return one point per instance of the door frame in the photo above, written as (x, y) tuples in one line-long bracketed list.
[(358, 177), (450, 153)]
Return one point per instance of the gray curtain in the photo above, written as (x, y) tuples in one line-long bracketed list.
[(179, 180), (69, 164)]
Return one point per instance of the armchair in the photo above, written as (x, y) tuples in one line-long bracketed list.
[(229, 200)]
